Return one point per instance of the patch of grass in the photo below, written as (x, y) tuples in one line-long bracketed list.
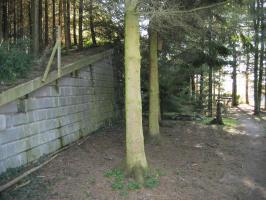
[(227, 121), (230, 122), (121, 183)]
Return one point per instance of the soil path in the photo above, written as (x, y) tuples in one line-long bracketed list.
[(198, 162)]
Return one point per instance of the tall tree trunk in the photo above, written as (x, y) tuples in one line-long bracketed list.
[(36, 44), (80, 24), (54, 27), (154, 112), (40, 25), (256, 58), (1, 22), (93, 36), (193, 87), (46, 19), (67, 41), (210, 92), (262, 39), (5, 20), (234, 76), (21, 20), (201, 88), (30, 11), (247, 79), (14, 20), (135, 154), (60, 13), (68, 23), (74, 23)]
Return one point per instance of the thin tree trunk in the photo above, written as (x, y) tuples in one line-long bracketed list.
[(1, 21), (40, 25), (46, 31), (93, 36), (5, 20), (210, 92), (201, 88), (80, 24), (68, 23), (60, 13), (14, 20), (247, 79), (67, 42), (193, 87), (74, 23), (154, 112), (54, 28), (30, 11), (36, 44), (234, 76), (256, 57), (135, 154), (262, 38), (21, 20)]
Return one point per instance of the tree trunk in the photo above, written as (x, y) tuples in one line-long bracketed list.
[(201, 88), (14, 20), (31, 10), (234, 75), (262, 38), (193, 87), (80, 24), (247, 79), (74, 23), (1, 22), (21, 20), (46, 31), (68, 23), (256, 57), (136, 162), (210, 92), (93, 36), (65, 12), (54, 27), (5, 20), (40, 25), (154, 112), (60, 13), (35, 20)]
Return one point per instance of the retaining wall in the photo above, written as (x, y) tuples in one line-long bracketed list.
[(57, 114)]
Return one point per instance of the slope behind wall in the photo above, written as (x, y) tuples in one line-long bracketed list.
[(56, 114)]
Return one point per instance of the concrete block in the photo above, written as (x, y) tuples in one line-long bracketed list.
[(2, 122), (12, 134), (16, 160), (9, 108), (47, 91)]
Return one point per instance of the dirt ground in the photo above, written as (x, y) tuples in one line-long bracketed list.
[(198, 162)]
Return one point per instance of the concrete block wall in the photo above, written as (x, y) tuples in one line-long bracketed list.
[(56, 115)]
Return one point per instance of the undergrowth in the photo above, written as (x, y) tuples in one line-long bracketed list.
[(120, 182)]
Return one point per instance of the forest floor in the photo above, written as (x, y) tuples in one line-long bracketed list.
[(195, 161)]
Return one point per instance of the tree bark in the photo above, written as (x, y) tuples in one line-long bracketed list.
[(21, 19), (1, 22), (5, 20), (68, 23), (40, 25), (65, 12), (74, 23), (35, 20), (262, 38), (256, 57), (210, 92), (93, 35), (136, 162), (54, 27), (46, 19), (247, 79), (14, 20), (234, 76), (80, 24), (154, 112), (201, 88)]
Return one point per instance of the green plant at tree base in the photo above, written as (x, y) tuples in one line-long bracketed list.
[(121, 183)]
